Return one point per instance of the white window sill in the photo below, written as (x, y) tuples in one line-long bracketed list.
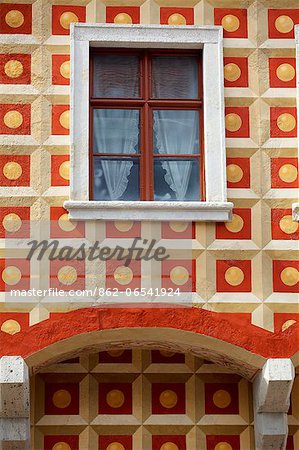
[(145, 210)]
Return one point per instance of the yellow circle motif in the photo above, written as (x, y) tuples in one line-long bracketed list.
[(234, 173), (236, 225), (178, 227), (12, 222), (14, 18), (13, 68), (284, 24), (286, 122), (67, 18), (115, 353), (230, 23), (232, 72), (65, 224), (13, 119), (234, 276), (11, 327), (179, 275), (11, 275), (289, 276), (115, 446), (123, 225), (287, 324), (115, 398), (233, 122), (67, 275), (223, 446), (176, 19), (222, 399), (123, 275), (169, 446), (62, 398), (288, 173), (287, 225), (64, 170), (65, 69), (285, 72), (12, 170), (123, 18), (64, 119), (168, 399), (61, 446)]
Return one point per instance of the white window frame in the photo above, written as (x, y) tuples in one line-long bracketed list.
[(207, 38)]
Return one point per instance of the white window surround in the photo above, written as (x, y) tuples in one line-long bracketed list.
[(208, 38), (296, 205)]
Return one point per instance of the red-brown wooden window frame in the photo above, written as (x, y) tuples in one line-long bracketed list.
[(146, 104)]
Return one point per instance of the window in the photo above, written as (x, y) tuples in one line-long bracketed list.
[(146, 126), (139, 98)]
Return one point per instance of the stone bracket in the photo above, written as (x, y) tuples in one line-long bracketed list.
[(14, 404)]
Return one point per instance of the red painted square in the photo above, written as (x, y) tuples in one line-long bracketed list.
[(282, 18), (121, 229), (63, 14), (61, 398), (178, 230), (116, 357), (238, 173), (113, 11), (117, 394), (16, 64), (221, 398), (164, 357), (275, 66), (21, 318), (290, 443), (129, 276), (232, 16), (60, 170), (179, 441), (18, 15), (242, 64), (17, 272), (18, 218), (280, 217), (57, 228), (244, 284), (19, 177), (232, 440), (187, 13), (275, 115), (71, 273), (50, 441), (125, 441), (239, 228), (60, 114), (59, 69), (170, 394), (286, 270), (21, 112), (284, 173), (179, 274), (243, 113)]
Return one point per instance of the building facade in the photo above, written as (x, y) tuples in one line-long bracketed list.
[(170, 126)]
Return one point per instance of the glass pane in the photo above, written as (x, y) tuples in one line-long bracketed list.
[(176, 131), (116, 179), (175, 77), (116, 131), (176, 180), (116, 76)]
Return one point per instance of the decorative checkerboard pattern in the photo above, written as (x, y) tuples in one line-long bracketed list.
[(140, 399)]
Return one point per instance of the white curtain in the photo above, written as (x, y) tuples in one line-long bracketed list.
[(176, 132), (116, 131)]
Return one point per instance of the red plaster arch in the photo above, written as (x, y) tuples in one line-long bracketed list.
[(228, 339)]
